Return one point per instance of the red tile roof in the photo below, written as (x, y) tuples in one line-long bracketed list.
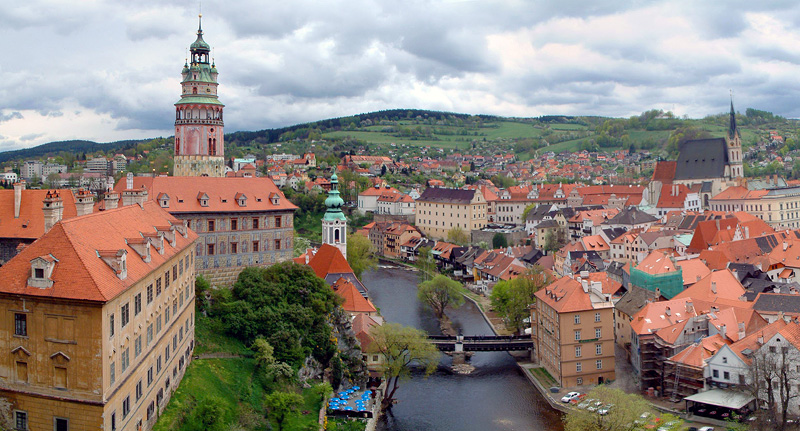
[(76, 245), (354, 302), (329, 260), (30, 223), (565, 295), (184, 192)]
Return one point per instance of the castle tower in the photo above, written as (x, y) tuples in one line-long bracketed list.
[(734, 145), (334, 223), (199, 144)]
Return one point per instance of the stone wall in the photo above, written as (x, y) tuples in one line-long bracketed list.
[(198, 166)]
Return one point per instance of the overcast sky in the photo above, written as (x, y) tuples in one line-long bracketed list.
[(107, 70)]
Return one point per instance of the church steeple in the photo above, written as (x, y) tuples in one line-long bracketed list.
[(733, 142), (334, 223), (732, 130)]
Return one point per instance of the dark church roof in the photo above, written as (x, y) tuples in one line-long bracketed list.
[(702, 158), (446, 195)]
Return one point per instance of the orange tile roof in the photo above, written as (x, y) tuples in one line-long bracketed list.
[(595, 243), (183, 193), (76, 244), (751, 341), (362, 327), (720, 287), (565, 295), (329, 260), (354, 302), (657, 262), (30, 223), (654, 315), (697, 354), (693, 270)]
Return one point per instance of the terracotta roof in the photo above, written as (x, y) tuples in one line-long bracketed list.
[(77, 244), (670, 199), (657, 262), (362, 327), (184, 192), (654, 316), (565, 295), (665, 171), (697, 354), (30, 223), (354, 302), (720, 287), (693, 270), (329, 260)]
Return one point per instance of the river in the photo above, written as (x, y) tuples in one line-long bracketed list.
[(496, 396)]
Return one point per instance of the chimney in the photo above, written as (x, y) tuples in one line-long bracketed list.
[(741, 330), (746, 232), (52, 210), (111, 199), (785, 245), (668, 312), (689, 307), (84, 202), (723, 330), (18, 188), (714, 287), (585, 285), (129, 181), (761, 338)]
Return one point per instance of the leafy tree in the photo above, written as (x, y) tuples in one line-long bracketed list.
[(623, 416), (359, 255), (440, 292), (554, 240), (201, 289), (300, 245), (402, 347), (287, 305), (281, 405), (499, 241), (527, 210), (682, 134), (427, 266), (456, 235), (512, 299), (209, 414)]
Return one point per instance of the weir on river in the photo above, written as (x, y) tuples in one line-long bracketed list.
[(496, 396)]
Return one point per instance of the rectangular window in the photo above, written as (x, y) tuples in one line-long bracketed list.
[(149, 376), (158, 287), (277, 244), (175, 307), (125, 360), (715, 373), (137, 346), (166, 354), (112, 374), (726, 375), (174, 272), (278, 221), (21, 325), (255, 223), (211, 225), (149, 294), (210, 249), (60, 377), (598, 332), (599, 364), (60, 424), (138, 390), (21, 420), (255, 247), (149, 333), (234, 224), (578, 367), (598, 349), (180, 267), (158, 324), (166, 280), (577, 319), (166, 315), (596, 317), (22, 372), (175, 343), (577, 335), (137, 304), (158, 364), (111, 324), (126, 406), (125, 315), (577, 351), (180, 299), (234, 248)]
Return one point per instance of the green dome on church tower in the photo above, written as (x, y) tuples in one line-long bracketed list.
[(334, 202)]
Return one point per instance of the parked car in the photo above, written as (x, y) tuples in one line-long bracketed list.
[(595, 406), (570, 396), (667, 426), (586, 403), (706, 429), (604, 411)]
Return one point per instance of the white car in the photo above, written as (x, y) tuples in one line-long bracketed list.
[(570, 396), (604, 411), (706, 429), (594, 407), (667, 426)]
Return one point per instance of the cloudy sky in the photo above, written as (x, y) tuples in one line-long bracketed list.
[(106, 70)]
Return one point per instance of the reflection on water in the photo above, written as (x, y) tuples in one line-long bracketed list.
[(496, 396)]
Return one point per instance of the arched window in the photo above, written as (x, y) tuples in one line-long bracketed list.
[(194, 90), (336, 238)]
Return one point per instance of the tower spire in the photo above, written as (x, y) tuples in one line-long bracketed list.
[(732, 127)]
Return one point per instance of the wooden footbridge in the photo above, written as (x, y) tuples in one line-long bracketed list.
[(481, 343)]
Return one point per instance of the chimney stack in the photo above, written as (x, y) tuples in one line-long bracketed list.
[(667, 311), (723, 330), (129, 181), (111, 199), (84, 202), (18, 188), (714, 287), (53, 209)]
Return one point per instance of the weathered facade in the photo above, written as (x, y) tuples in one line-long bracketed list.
[(98, 333)]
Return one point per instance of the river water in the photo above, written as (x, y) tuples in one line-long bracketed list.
[(496, 396)]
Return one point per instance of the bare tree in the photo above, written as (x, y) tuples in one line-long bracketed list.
[(773, 381)]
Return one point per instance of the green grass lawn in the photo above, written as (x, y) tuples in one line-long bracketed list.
[(543, 377), (211, 338)]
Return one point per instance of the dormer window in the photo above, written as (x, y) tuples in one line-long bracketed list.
[(241, 199), (275, 199), (203, 199), (163, 200), (41, 271)]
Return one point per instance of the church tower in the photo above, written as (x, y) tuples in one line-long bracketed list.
[(733, 142), (334, 223), (199, 144)]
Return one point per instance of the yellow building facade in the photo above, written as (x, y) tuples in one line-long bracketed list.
[(441, 209)]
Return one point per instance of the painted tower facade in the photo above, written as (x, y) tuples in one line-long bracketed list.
[(199, 138), (334, 223), (734, 146)]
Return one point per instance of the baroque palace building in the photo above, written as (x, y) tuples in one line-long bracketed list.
[(97, 322)]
